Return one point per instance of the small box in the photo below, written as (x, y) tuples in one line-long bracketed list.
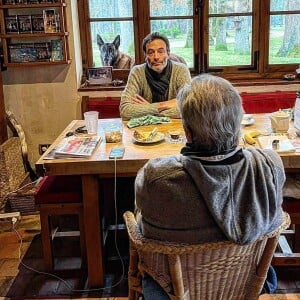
[(24, 22), (37, 23), (11, 24)]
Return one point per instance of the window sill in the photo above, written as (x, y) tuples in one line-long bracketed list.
[(235, 82)]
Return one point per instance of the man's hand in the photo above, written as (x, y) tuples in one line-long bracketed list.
[(161, 106), (137, 99)]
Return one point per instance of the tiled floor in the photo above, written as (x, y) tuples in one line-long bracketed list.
[(18, 282)]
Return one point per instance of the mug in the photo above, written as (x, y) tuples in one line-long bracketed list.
[(280, 121)]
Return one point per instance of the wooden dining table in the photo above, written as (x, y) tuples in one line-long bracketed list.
[(135, 156)]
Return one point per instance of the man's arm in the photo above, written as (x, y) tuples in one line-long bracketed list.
[(133, 104)]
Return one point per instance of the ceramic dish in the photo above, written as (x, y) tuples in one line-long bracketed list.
[(247, 120), (157, 138)]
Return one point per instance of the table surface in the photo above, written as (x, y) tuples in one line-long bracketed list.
[(136, 155)]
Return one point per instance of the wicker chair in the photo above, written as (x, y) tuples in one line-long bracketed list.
[(221, 270)]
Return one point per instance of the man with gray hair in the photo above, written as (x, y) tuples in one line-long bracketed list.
[(214, 190), (152, 87)]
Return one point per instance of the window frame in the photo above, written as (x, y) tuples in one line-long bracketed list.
[(259, 69)]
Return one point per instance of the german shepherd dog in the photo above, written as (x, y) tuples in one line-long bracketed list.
[(111, 55)]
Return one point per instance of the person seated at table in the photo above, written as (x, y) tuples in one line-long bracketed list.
[(213, 190), (152, 87)]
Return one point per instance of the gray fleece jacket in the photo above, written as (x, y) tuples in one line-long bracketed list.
[(137, 84), (181, 199)]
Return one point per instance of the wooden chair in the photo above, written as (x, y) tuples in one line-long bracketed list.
[(57, 196), (221, 270), (108, 107)]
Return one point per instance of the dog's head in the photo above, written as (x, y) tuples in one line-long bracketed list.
[(108, 51)]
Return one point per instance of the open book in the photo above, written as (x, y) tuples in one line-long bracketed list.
[(75, 146), (279, 143)]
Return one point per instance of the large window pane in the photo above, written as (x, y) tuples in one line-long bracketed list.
[(226, 7), (160, 8), (110, 8), (179, 32), (108, 32), (284, 44), (230, 41)]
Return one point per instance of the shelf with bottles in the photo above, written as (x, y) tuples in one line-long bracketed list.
[(27, 24)]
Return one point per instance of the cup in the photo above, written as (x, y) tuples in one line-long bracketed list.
[(175, 136), (280, 121), (113, 132), (91, 121)]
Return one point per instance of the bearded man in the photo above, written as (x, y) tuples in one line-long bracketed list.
[(152, 87)]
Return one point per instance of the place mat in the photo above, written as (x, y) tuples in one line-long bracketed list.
[(147, 120)]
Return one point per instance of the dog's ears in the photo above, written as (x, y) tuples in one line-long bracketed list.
[(117, 41), (100, 42)]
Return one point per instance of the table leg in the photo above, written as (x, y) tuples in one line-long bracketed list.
[(93, 231)]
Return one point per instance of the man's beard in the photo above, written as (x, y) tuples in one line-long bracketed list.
[(159, 68)]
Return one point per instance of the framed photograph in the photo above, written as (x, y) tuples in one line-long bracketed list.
[(100, 76), (22, 53), (50, 20), (37, 23), (24, 22), (11, 24), (43, 52), (57, 50)]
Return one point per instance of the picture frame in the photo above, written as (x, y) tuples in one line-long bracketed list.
[(22, 53), (43, 52), (37, 23), (24, 23), (11, 24), (57, 53), (50, 20), (100, 76)]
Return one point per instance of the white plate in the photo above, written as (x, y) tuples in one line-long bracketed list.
[(248, 122), (158, 137)]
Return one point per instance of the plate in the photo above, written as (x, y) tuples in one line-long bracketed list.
[(247, 120), (158, 137)]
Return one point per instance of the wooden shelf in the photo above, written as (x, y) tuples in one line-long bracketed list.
[(29, 41)]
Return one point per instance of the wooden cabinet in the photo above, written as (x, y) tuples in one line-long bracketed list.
[(34, 33)]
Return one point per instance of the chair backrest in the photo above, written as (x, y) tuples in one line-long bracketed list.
[(108, 107), (221, 270), (12, 171), (18, 131)]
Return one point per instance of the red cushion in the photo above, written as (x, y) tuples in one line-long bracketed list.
[(59, 189)]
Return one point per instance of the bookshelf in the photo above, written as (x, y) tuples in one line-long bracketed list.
[(34, 32)]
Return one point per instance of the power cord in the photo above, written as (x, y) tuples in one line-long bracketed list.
[(14, 220)]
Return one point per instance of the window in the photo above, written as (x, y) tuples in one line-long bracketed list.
[(231, 38)]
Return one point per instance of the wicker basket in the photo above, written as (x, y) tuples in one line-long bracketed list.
[(12, 171), (22, 200)]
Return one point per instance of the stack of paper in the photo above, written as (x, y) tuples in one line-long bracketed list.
[(278, 143), (76, 146)]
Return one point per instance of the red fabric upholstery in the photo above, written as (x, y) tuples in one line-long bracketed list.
[(107, 108), (59, 189), (267, 102)]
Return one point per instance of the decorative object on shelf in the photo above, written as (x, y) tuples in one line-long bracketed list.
[(100, 76), (37, 23), (22, 53), (50, 20), (56, 50), (11, 24), (289, 76), (24, 22)]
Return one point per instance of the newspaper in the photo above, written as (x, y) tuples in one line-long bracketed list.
[(75, 147)]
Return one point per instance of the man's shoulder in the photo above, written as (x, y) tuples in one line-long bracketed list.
[(163, 163)]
